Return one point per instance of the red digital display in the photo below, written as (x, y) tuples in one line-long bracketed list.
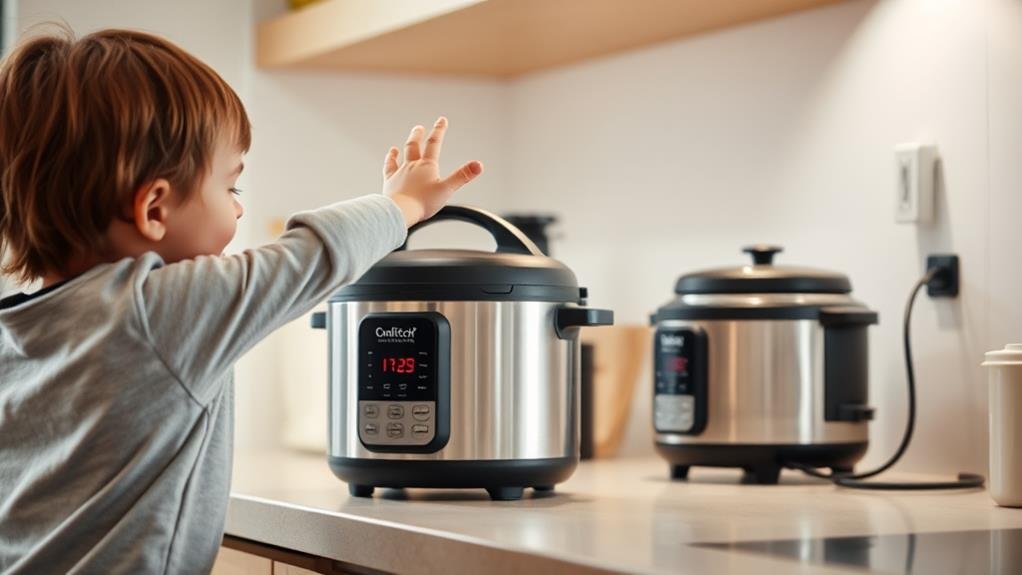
[(676, 364), (398, 365)]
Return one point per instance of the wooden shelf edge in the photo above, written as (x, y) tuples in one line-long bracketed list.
[(334, 24), (491, 38)]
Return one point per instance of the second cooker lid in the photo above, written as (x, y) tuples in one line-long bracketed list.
[(763, 277)]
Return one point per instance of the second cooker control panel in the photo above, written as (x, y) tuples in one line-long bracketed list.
[(404, 382), (680, 386)]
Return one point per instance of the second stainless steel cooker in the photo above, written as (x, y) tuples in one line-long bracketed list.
[(758, 366)]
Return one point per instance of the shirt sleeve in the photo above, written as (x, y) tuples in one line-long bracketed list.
[(202, 314)]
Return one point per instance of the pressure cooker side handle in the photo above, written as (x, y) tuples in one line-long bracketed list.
[(569, 319), (509, 238), (847, 316), (846, 363)]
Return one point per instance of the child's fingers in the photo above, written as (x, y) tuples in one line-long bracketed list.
[(413, 145), (435, 139), (390, 163), (463, 175)]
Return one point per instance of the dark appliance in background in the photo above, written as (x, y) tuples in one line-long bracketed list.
[(535, 227)]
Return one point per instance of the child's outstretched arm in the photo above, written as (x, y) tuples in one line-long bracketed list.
[(202, 314)]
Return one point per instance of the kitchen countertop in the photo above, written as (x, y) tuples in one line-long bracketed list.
[(615, 515)]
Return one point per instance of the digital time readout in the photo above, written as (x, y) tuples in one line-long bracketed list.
[(397, 365), (398, 357), (675, 365)]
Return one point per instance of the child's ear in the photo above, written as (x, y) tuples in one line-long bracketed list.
[(153, 203)]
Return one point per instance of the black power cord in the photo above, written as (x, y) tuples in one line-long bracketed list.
[(855, 480)]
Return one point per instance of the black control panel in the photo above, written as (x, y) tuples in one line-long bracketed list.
[(680, 380), (404, 382)]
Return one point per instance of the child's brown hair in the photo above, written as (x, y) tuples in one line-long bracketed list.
[(85, 123)]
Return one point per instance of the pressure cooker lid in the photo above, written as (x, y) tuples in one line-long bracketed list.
[(763, 277), (517, 271)]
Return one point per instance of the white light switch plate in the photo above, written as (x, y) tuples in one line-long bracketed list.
[(914, 182)]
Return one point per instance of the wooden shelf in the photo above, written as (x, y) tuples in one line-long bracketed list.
[(493, 38)]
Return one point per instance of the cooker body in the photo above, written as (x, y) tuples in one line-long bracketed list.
[(765, 385), (758, 394), (506, 391)]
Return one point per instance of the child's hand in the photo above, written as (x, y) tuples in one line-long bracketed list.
[(415, 186)]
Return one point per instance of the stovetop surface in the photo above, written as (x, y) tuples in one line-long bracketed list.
[(965, 552)]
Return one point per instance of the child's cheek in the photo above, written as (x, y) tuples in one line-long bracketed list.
[(226, 235)]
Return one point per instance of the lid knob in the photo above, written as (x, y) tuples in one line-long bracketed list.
[(763, 254)]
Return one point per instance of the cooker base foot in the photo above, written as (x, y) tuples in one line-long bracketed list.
[(679, 472), (762, 475), (505, 493), (543, 488), (360, 490)]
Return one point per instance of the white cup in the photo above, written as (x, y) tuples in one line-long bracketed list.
[(1004, 371)]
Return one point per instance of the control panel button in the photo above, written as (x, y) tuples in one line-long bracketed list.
[(398, 424), (395, 430), (421, 412), (674, 412)]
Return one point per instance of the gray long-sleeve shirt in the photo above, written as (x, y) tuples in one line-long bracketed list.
[(116, 393)]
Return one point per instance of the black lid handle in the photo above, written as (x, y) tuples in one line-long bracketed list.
[(509, 238), (763, 254)]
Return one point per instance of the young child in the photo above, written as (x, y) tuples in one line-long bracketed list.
[(119, 154)]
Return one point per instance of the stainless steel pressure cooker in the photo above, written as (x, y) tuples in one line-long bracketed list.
[(458, 368), (759, 366)]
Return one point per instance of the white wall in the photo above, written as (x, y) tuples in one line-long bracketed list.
[(217, 32), (1005, 202), (669, 159)]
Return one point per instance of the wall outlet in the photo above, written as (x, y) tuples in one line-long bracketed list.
[(914, 183), (947, 281)]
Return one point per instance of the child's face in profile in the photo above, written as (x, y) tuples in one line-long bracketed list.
[(207, 221)]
